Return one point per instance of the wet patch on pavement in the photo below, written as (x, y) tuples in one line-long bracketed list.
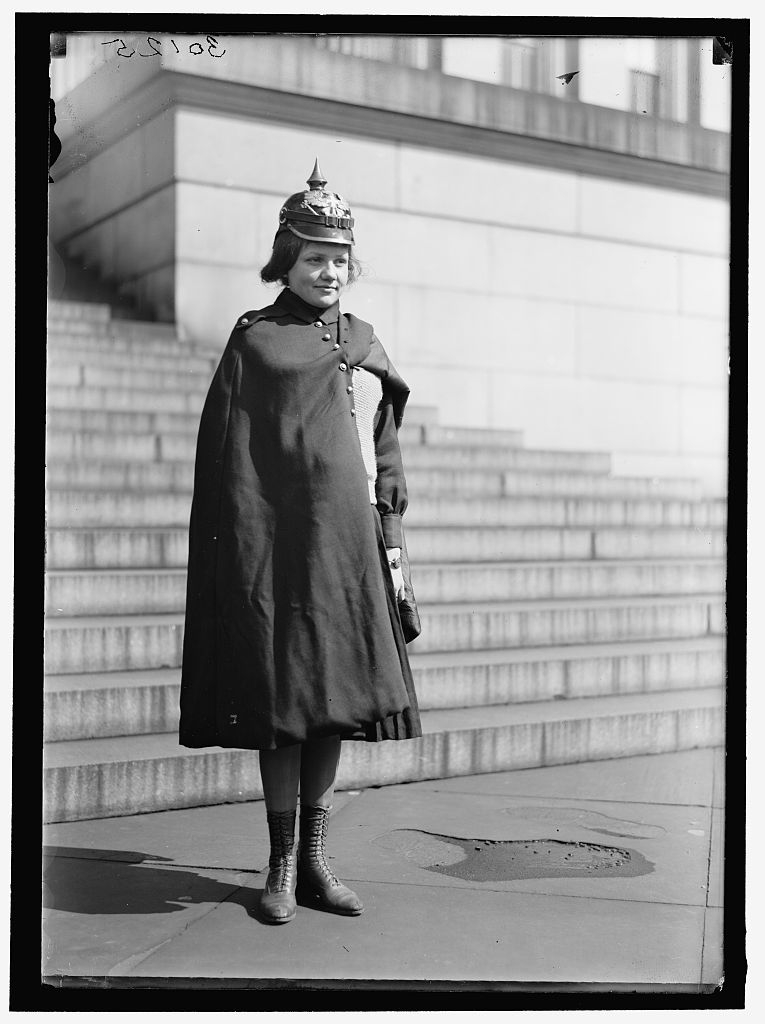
[(593, 821), (505, 860)]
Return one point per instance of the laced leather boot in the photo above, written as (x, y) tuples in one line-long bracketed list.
[(316, 882), (277, 904)]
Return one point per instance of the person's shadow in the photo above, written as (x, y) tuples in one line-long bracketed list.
[(83, 881)]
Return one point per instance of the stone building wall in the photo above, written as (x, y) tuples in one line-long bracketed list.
[(547, 289)]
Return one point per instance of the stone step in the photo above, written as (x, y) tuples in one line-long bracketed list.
[(117, 643), (170, 445), (417, 454), (116, 398), (147, 547), (104, 356), (457, 510), (102, 778), (92, 705), (112, 339), (151, 591), (62, 328), (459, 437), (166, 508), (143, 475), (183, 379), (90, 312)]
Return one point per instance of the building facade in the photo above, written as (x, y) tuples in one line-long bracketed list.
[(543, 250)]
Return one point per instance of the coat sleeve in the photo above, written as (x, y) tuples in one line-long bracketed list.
[(390, 487)]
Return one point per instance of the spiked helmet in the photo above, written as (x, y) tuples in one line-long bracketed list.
[(317, 214)]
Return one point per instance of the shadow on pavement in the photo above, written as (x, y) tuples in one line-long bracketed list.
[(123, 882)]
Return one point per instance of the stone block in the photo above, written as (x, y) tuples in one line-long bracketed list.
[(630, 735), (595, 415), (112, 508), (465, 397), (711, 471), (116, 548), (120, 175), (590, 677), (424, 242), (216, 225), (705, 346), (118, 710), (528, 264), (442, 329), (566, 742), (658, 543), (483, 545), (496, 191), (704, 420), (210, 299), (700, 727), (704, 285), (377, 303), (652, 216), (632, 345), (113, 647), (478, 683), (119, 398), (717, 618), (240, 153)]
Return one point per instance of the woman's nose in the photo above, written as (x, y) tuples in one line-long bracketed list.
[(328, 270)]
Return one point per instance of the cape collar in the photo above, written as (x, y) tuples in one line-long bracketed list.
[(308, 314)]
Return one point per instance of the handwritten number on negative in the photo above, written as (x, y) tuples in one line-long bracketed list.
[(153, 43), (122, 47)]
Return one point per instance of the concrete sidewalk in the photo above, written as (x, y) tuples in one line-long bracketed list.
[(603, 872)]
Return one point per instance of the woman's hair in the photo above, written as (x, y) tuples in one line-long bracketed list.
[(287, 248)]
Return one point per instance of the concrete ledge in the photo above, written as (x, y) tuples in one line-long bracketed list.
[(112, 643), (149, 591), (167, 508), (101, 778), (178, 475), (167, 546), (139, 703)]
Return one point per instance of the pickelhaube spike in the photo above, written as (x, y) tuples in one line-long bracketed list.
[(317, 179), (317, 214)]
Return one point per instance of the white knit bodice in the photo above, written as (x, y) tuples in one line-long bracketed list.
[(367, 394)]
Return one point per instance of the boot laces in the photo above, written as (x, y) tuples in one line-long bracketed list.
[(316, 850), (282, 829)]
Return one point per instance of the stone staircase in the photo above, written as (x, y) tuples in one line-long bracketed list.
[(568, 615)]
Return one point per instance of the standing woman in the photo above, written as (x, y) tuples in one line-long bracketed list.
[(297, 609)]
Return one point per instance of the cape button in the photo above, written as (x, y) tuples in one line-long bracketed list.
[(244, 320), (326, 337), (335, 346), (342, 367), (353, 412), (318, 324)]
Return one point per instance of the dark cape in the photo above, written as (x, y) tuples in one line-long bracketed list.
[(292, 628)]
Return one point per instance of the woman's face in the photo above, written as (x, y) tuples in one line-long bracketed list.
[(320, 273)]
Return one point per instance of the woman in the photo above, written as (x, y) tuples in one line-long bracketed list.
[(294, 638)]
